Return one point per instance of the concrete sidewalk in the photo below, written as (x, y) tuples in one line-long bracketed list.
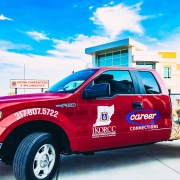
[(159, 161)]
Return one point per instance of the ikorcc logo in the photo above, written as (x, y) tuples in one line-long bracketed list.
[(143, 117)]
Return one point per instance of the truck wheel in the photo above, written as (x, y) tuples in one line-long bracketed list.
[(37, 157)]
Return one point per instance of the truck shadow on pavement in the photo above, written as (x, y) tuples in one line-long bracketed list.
[(6, 172), (88, 167), (117, 160)]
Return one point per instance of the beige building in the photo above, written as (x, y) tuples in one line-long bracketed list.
[(128, 52)]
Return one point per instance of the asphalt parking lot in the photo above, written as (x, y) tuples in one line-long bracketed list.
[(160, 161)]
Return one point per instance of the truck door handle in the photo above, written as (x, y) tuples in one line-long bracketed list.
[(137, 105)]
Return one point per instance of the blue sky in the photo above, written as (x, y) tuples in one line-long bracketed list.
[(49, 37)]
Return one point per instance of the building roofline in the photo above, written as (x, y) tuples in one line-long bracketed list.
[(124, 43), (121, 68)]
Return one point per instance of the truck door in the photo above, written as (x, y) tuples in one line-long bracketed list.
[(156, 107), (103, 121)]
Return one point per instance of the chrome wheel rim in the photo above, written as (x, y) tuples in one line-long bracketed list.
[(44, 161)]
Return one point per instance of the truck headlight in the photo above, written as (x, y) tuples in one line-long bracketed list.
[(0, 114)]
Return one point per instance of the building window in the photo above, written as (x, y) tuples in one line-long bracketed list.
[(101, 60), (116, 58), (149, 65), (109, 59), (167, 72)]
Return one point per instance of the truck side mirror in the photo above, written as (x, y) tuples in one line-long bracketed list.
[(97, 90)]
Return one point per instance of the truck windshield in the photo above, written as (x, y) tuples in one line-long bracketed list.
[(71, 83)]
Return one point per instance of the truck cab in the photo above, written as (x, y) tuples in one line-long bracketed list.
[(90, 110)]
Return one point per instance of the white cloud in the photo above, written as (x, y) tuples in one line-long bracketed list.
[(2, 17), (137, 6), (6, 45), (37, 36), (150, 39), (170, 44), (36, 67), (118, 18), (75, 48), (91, 7), (67, 56)]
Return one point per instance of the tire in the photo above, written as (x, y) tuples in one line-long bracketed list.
[(36, 158)]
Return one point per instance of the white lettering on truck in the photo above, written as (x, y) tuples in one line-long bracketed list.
[(104, 131), (140, 116), (102, 127)]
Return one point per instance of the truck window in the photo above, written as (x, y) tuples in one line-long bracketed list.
[(150, 83), (120, 81), (71, 83)]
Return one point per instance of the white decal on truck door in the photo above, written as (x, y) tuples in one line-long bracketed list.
[(104, 115), (101, 128)]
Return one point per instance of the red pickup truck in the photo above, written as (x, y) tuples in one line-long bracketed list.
[(90, 110)]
